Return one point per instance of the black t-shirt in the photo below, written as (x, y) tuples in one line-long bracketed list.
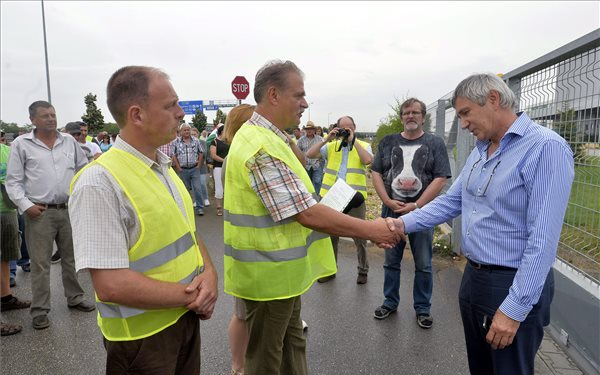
[(406, 181), (222, 151)]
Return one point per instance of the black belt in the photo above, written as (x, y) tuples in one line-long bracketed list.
[(58, 206), (489, 267), (192, 167)]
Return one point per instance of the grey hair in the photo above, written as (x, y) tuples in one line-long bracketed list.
[(185, 126), (273, 73), (477, 87)]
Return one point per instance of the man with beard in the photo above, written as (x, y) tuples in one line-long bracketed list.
[(410, 169)]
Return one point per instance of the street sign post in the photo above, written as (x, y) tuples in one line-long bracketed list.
[(240, 87), (190, 106)]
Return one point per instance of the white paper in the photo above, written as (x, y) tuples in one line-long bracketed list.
[(338, 196)]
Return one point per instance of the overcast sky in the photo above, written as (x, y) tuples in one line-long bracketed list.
[(357, 56)]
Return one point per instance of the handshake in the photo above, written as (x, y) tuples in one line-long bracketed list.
[(388, 232)]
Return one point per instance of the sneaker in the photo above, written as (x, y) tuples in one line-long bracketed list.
[(326, 278), (304, 326), (26, 267), (206, 203), (14, 304), (55, 258), (361, 279), (13, 282), (382, 312), (200, 212), (41, 322), (425, 321)]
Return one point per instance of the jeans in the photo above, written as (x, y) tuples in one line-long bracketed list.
[(192, 180), (421, 247), (203, 187), (316, 176), (24, 253)]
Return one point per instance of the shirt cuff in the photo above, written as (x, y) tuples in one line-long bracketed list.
[(410, 224), (514, 310)]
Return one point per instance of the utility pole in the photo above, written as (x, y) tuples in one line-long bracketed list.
[(46, 54)]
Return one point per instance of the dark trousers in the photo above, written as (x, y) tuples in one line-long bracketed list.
[(481, 293), (173, 351)]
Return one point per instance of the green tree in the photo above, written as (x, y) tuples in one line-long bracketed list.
[(392, 124), (199, 120), (9, 127), (219, 118), (566, 127), (110, 128), (93, 116)]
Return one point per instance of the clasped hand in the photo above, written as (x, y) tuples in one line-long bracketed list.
[(204, 289)]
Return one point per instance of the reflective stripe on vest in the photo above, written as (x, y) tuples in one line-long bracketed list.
[(356, 172), (274, 256), (110, 310), (267, 260), (163, 255)]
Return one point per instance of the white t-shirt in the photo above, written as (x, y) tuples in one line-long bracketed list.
[(93, 147)]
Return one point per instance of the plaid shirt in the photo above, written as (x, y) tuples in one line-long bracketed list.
[(167, 149), (282, 192), (304, 144), (187, 153)]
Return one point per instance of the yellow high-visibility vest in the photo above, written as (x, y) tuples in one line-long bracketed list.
[(267, 260), (167, 249), (356, 171)]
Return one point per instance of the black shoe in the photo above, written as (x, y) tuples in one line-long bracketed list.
[(382, 312), (425, 321), (326, 278), (26, 267), (41, 322), (361, 279), (13, 282), (84, 306), (55, 258)]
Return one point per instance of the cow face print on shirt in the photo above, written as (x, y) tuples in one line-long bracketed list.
[(406, 172)]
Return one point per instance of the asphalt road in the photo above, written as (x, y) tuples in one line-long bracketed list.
[(343, 337)]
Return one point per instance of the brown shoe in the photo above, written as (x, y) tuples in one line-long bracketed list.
[(41, 322), (361, 279), (7, 329), (14, 304), (326, 278)]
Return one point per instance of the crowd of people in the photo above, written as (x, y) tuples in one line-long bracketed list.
[(156, 281)]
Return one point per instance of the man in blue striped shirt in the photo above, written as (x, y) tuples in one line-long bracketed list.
[(512, 194)]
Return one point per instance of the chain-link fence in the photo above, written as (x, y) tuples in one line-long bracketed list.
[(561, 91)]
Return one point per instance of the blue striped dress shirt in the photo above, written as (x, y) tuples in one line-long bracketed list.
[(512, 204)]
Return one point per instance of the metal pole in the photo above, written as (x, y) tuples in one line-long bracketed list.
[(46, 54)]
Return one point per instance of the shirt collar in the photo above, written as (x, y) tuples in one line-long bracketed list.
[(163, 160), (517, 129), (259, 120)]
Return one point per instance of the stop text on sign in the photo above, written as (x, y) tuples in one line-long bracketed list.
[(240, 88)]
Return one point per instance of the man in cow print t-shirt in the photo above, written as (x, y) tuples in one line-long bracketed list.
[(409, 170)]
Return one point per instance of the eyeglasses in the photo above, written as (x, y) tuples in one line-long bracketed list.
[(470, 189), (413, 113)]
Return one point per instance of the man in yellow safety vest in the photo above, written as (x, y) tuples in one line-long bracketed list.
[(152, 275), (276, 244)]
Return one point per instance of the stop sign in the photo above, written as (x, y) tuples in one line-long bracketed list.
[(240, 87)]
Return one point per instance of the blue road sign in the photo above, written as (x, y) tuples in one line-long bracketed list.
[(211, 107), (190, 107)]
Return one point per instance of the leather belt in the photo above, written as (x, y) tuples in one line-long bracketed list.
[(57, 206), (489, 267), (192, 167)]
